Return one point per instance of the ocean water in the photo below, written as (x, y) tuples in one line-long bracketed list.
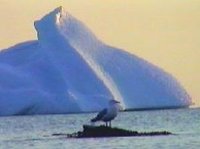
[(27, 132)]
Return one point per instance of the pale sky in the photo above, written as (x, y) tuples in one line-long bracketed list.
[(164, 32)]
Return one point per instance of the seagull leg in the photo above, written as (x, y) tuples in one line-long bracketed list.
[(110, 124)]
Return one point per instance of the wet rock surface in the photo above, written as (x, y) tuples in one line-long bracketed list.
[(103, 131)]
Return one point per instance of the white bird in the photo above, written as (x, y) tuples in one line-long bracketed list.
[(107, 114)]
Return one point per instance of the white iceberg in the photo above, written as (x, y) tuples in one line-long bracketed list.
[(69, 70)]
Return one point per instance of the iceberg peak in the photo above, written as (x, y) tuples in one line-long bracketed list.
[(59, 9), (60, 14), (55, 16)]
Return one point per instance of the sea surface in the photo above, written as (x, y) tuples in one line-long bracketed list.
[(27, 132)]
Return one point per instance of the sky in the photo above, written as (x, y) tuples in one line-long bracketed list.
[(166, 33)]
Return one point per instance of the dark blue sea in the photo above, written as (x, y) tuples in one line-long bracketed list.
[(35, 132)]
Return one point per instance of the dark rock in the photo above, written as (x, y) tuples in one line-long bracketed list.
[(103, 131)]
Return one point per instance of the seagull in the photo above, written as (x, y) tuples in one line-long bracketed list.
[(107, 114)]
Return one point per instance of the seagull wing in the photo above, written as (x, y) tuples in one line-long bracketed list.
[(100, 115)]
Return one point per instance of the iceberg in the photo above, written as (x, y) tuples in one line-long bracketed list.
[(69, 70)]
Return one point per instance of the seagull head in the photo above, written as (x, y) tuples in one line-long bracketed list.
[(116, 104), (113, 101)]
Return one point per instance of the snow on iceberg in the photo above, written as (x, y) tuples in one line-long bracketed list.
[(69, 70)]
